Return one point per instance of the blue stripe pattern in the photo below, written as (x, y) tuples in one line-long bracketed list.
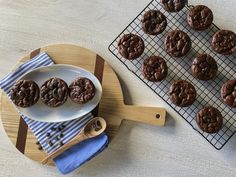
[(41, 129)]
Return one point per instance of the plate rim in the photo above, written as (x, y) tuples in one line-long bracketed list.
[(60, 65)]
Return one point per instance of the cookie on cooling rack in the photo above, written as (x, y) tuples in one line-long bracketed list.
[(173, 5), (204, 67), (177, 43), (54, 92), (153, 22), (131, 46), (81, 90), (182, 93), (209, 119), (24, 93), (200, 17), (154, 68), (224, 42), (228, 93)]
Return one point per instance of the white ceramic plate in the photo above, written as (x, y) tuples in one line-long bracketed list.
[(69, 110)]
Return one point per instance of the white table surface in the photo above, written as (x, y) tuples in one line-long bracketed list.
[(138, 150)]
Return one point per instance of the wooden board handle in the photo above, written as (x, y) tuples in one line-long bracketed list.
[(148, 115)]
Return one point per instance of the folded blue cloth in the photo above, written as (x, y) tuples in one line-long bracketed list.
[(78, 154)]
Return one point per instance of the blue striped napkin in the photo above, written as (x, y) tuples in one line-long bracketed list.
[(46, 133)]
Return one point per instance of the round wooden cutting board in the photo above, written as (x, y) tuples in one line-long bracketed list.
[(111, 106)]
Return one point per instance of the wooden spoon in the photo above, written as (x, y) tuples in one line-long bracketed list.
[(93, 128)]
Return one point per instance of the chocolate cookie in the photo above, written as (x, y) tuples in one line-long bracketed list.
[(228, 93), (153, 22), (224, 42), (81, 90), (154, 68), (200, 17), (177, 43), (209, 119), (182, 93), (54, 92), (131, 46), (204, 67), (173, 5), (24, 93)]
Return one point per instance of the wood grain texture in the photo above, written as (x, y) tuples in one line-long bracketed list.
[(111, 107), (138, 150), (23, 127), (98, 72), (21, 135)]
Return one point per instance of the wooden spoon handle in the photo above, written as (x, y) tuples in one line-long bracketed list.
[(66, 146), (148, 115)]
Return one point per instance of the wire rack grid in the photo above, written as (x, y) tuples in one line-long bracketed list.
[(208, 91)]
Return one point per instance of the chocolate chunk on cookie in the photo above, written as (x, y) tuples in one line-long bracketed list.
[(224, 42), (54, 92), (228, 93), (182, 93), (204, 67), (173, 5), (81, 90), (155, 68), (153, 22), (200, 17), (24, 93), (131, 46), (209, 119), (177, 43)]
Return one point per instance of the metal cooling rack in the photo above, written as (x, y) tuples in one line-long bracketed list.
[(208, 91)]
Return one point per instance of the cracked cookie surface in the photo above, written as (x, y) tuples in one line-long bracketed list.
[(54, 92), (204, 67), (24, 93), (173, 5), (153, 22), (155, 68), (81, 90), (200, 17), (182, 93), (228, 93), (177, 43), (131, 46), (209, 119), (224, 42)]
